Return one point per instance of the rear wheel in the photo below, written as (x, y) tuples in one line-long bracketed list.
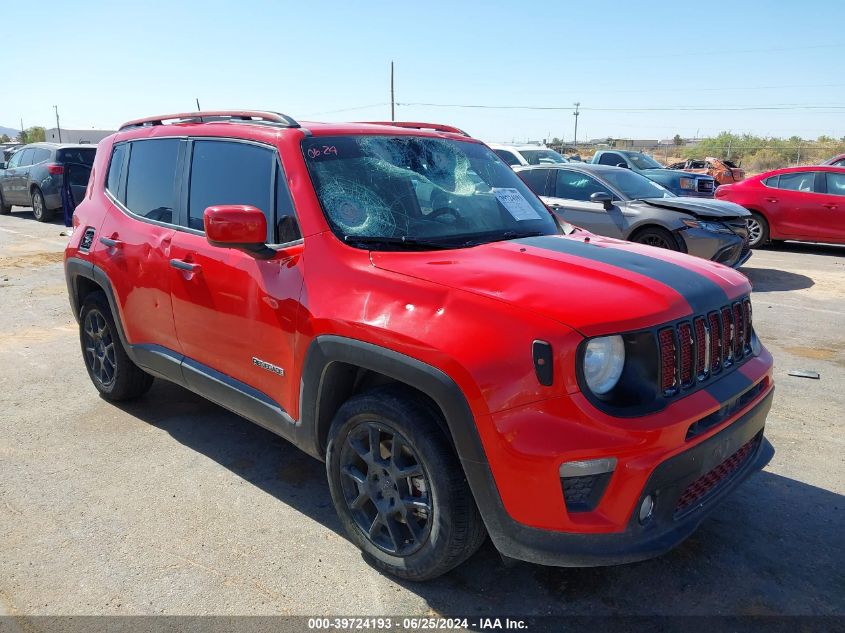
[(398, 487), (5, 209), (657, 237), (758, 230), (39, 207), (113, 373)]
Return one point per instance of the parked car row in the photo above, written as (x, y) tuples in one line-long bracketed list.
[(723, 171)]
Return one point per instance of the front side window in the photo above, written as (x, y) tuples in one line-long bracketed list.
[(229, 172), (635, 186), (835, 183), (421, 192), (574, 185), (15, 160), (26, 157), (609, 158), (641, 161), (151, 178), (800, 181), (542, 157)]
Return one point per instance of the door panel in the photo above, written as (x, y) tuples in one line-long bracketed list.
[(234, 310), (570, 201), (800, 211)]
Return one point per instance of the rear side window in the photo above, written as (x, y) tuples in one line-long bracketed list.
[(835, 183), (509, 157), (116, 171), (536, 180), (82, 156), (227, 172), (40, 155), (801, 181), (151, 179)]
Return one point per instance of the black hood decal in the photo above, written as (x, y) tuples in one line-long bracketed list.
[(701, 293)]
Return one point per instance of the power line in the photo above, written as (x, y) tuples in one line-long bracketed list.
[(664, 109)]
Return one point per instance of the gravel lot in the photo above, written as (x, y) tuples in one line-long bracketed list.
[(174, 505)]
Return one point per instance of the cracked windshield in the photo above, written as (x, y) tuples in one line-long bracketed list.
[(414, 191)]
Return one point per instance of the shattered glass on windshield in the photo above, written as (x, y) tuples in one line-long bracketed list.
[(406, 186)]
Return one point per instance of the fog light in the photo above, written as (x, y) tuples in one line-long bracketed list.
[(646, 508)]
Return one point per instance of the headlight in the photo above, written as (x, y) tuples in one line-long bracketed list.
[(604, 359), (687, 183), (715, 227)]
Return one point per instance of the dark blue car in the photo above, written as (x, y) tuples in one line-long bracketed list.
[(681, 183)]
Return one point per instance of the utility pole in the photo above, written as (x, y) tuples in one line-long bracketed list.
[(21, 135), (392, 101), (58, 127), (198, 105), (575, 114)]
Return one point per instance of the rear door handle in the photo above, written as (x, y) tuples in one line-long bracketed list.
[(830, 206), (771, 199), (110, 242), (183, 265)]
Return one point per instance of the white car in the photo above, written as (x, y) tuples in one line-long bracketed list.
[(516, 155)]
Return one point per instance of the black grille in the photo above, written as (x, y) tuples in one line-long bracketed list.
[(705, 186), (727, 340)]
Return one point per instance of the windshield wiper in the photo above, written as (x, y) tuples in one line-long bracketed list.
[(506, 235), (404, 242)]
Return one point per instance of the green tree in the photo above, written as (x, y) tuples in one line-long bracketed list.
[(678, 141), (5, 138), (35, 134)]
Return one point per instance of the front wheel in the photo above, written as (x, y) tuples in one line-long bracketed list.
[(657, 237), (398, 487), (111, 370), (5, 209), (39, 207), (758, 230)]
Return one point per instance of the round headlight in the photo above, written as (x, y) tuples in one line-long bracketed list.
[(604, 359)]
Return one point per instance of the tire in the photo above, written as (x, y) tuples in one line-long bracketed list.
[(411, 513), (758, 230), (113, 373), (5, 209), (657, 237), (39, 207)]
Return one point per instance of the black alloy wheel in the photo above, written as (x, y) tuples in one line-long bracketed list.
[(386, 488), (98, 342)]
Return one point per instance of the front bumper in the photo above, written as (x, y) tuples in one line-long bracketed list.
[(725, 248), (677, 512)]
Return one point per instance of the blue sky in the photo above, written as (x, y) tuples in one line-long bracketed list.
[(106, 62)]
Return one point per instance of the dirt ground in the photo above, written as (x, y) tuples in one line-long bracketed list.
[(174, 505)]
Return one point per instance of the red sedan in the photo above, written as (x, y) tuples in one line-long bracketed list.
[(806, 204)]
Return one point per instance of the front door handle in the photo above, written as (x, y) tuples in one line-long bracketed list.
[(830, 206), (186, 266), (111, 243)]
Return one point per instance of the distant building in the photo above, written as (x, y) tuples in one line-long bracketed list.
[(88, 137)]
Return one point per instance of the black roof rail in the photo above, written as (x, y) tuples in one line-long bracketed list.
[(207, 116)]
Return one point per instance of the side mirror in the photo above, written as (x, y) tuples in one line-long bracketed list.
[(2, 165), (622, 165), (237, 226), (603, 198)]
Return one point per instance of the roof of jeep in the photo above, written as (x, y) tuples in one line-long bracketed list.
[(228, 124)]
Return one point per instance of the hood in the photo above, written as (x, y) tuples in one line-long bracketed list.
[(699, 207), (593, 284)]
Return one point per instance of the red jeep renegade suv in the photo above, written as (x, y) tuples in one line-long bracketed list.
[(391, 298)]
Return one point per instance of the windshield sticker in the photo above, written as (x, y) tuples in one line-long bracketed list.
[(516, 204)]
